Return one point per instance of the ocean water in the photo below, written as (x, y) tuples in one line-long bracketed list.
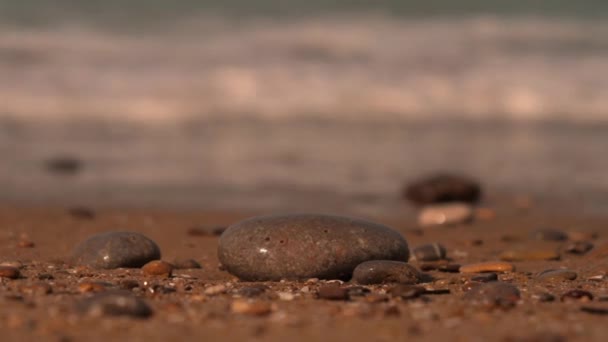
[(292, 105)]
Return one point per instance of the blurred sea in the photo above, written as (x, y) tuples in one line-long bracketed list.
[(301, 105)]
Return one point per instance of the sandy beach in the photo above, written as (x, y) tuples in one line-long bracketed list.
[(185, 308)]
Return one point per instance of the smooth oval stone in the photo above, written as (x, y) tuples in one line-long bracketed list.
[(493, 294), (114, 303), (557, 275), (115, 249), (306, 246), (429, 252), (443, 188), (386, 271), (445, 214)]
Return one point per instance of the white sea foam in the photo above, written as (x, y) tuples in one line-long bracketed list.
[(342, 68)]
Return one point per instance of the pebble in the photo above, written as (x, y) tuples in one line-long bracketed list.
[(557, 275), (92, 286), (530, 255), (114, 303), (386, 271), (158, 268), (9, 272), (248, 307), (493, 295), (115, 249), (549, 234), (442, 266), (577, 295), (407, 291), (65, 165), (445, 214), (578, 247), (252, 291), (443, 188), (543, 297), (485, 278), (333, 292), (306, 246), (429, 252), (595, 309), (215, 290), (23, 243), (490, 266), (82, 213), (184, 264)]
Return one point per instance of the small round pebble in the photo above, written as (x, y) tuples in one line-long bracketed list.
[(114, 303), (429, 252), (158, 268), (443, 188), (303, 246), (386, 271), (549, 234), (253, 308), (92, 286), (445, 214), (9, 272), (557, 275), (578, 247), (493, 295), (115, 249), (491, 266), (333, 292), (407, 291), (577, 295)]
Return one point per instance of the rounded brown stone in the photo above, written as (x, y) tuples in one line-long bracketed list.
[(491, 266), (92, 286), (429, 252), (333, 292), (158, 268), (9, 272), (386, 271), (115, 249), (557, 275), (306, 246)]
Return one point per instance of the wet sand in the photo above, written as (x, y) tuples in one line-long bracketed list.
[(185, 308)]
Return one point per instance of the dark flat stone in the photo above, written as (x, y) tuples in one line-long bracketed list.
[(441, 188), (386, 271)]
